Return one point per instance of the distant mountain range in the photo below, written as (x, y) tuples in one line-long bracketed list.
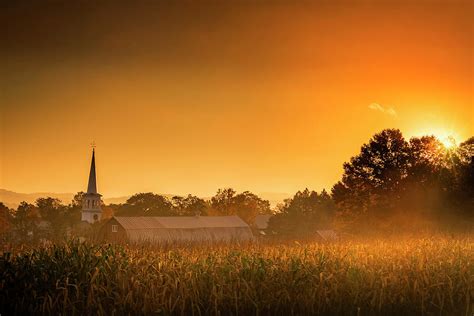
[(13, 199)]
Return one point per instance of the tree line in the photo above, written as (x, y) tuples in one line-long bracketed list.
[(391, 183), (49, 219), (226, 202)]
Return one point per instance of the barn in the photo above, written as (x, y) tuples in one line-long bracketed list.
[(176, 229)]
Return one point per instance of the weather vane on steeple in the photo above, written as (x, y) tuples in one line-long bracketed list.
[(93, 145)]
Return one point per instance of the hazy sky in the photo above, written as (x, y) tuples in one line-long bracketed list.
[(188, 98)]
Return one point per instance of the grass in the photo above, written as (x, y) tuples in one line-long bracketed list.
[(419, 276)]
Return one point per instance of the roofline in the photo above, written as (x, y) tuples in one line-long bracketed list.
[(242, 223), (178, 216), (186, 227)]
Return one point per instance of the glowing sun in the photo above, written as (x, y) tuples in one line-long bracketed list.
[(446, 138), (448, 142)]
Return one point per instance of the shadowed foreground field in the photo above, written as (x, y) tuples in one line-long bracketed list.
[(409, 276)]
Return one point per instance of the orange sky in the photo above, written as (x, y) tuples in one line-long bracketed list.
[(193, 97)]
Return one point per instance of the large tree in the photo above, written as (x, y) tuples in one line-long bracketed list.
[(73, 210), (246, 204), (422, 191), (459, 183), (303, 214), (146, 204), (53, 212), (25, 221), (427, 159), (391, 177), (372, 181), (6, 220), (189, 205)]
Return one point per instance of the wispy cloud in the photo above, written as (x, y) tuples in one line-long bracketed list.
[(387, 110)]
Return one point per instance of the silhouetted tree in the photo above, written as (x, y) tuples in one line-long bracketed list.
[(246, 204), (223, 202), (6, 221), (146, 204), (422, 191), (372, 181), (73, 210), (54, 214), (107, 212), (189, 205), (77, 199), (459, 183), (391, 176), (25, 222), (303, 214), (427, 158)]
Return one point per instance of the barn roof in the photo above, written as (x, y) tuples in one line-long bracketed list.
[(192, 228), (148, 222)]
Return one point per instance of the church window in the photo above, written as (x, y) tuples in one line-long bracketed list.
[(114, 228)]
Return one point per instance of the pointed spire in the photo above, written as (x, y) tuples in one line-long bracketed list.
[(92, 186)]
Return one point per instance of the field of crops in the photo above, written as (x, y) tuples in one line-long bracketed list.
[(410, 276)]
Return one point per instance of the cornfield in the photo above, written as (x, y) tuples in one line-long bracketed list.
[(415, 276)]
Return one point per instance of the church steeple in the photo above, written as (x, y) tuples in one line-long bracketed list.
[(91, 202), (92, 186)]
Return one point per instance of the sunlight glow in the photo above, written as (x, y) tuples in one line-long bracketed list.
[(445, 136), (448, 142)]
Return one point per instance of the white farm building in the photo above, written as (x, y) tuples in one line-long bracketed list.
[(176, 229)]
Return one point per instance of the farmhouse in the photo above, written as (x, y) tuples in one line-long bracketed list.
[(176, 229)]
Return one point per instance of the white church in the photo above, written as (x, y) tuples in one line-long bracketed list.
[(91, 210)]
